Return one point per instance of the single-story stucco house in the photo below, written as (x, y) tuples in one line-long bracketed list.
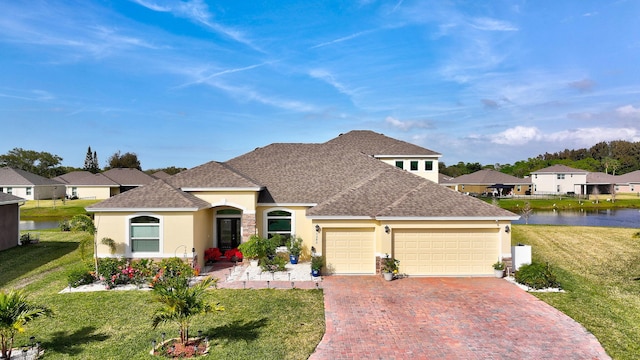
[(86, 185), (9, 220), (28, 185), (338, 196), (489, 181)]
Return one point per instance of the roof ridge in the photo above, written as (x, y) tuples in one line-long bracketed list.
[(353, 188), (240, 173)]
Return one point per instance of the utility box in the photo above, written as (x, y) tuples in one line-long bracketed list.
[(520, 255)]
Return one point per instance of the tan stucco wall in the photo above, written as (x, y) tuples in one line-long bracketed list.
[(430, 175), (90, 192), (243, 200)]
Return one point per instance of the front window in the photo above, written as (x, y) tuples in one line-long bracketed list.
[(400, 164), (29, 191), (279, 222), (414, 166), (74, 191), (9, 190), (560, 176), (144, 233), (428, 165)]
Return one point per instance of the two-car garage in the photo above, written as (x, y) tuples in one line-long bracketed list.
[(422, 252)]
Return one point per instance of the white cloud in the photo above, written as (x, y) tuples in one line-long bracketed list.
[(628, 111), (408, 125), (330, 79), (488, 24), (516, 136)]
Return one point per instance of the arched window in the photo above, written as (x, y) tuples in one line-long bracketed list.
[(279, 222), (144, 234)]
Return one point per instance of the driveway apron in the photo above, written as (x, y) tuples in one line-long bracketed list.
[(445, 318)]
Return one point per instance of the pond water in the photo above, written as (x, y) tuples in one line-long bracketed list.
[(629, 218), (38, 224)]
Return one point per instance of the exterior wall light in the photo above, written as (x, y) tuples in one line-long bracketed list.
[(507, 229), (317, 228), (387, 229)]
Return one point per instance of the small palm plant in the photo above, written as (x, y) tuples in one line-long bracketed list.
[(180, 303), (15, 312)]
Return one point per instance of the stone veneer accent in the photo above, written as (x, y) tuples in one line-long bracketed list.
[(248, 226)]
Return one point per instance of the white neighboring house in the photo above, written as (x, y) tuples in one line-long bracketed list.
[(559, 179), (29, 186)]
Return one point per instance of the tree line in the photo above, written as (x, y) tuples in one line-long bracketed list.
[(615, 157), (49, 165)]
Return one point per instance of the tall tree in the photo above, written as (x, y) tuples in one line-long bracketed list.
[(95, 165), (91, 162), (40, 163), (126, 160)]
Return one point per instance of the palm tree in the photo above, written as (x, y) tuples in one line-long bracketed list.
[(15, 313), (180, 303)]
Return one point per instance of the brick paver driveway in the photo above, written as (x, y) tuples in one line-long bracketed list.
[(445, 318)]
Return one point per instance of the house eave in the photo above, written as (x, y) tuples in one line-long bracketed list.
[(96, 210), (221, 189), (286, 204), (408, 156), (329, 217), (448, 218)]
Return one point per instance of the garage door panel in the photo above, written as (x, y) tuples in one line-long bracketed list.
[(350, 251), (446, 252)]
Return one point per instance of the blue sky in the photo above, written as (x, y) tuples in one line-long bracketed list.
[(181, 83)]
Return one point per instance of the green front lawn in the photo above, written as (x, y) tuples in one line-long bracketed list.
[(256, 324), (600, 270), (45, 209)]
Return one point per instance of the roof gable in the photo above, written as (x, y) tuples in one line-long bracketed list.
[(554, 169), (12, 176), (489, 176), (372, 143), (157, 195), (212, 175)]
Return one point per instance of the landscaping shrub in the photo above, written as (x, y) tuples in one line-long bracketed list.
[(275, 263), (64, 225), (537, 276), (114, 272), (80, 275), (173, 272)]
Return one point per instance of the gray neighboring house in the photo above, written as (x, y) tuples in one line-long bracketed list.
[(487, 181), (29, 186), (128, 178), (86, 185), (9, 220)]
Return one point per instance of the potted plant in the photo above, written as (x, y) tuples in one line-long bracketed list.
[(253, 249), (316, 264), (294, 245), (498, 269), (389, 267)]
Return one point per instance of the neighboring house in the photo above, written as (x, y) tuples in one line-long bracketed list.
[(85, 185), (415, 159), (128, 178), (628, 183), (338, 196), (9, 220), (160, 175), (490, 181), (559, 179), (29, 186), (597, 183)]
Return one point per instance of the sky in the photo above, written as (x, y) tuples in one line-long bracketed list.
[(181, 83)]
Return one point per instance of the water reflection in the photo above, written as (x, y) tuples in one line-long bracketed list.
[(629, 218), (37, 224)]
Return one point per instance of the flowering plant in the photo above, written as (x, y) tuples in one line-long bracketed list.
[(390, 265)]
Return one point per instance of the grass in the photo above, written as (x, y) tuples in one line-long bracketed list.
[(45, 209), (567, 203), (600, 270), (261, 324)]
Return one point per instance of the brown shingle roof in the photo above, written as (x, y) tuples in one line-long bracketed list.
[(372, 143), (128, 176), (9, 199), (211, 175), (489, 177), (85, 178), (157, 195), (559, 169), (632, 177), (11, 176), (160, 175)]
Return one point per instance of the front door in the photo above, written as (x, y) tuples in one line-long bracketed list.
[(228, 233)]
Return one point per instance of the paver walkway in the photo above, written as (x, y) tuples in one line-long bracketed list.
[(445, 318)]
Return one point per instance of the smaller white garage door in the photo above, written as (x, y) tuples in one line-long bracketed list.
[(350, 251), (446, 252)]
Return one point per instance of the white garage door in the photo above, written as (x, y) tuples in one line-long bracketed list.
[(350, 251), (446, 252)]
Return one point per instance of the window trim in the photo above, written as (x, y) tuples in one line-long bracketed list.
[(400, 164), (29, 190), (142, 254), (416, 163), (266, 217), (428, 165)]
